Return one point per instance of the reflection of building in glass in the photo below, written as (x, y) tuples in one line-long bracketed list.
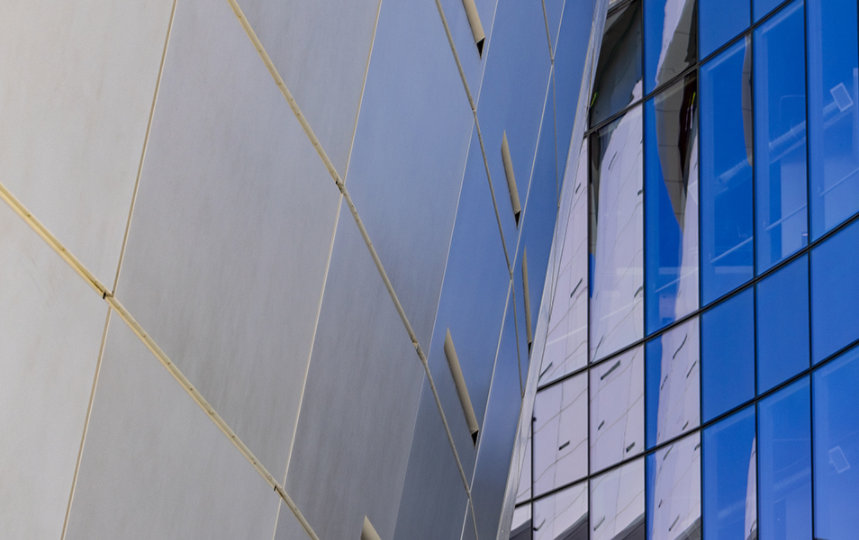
[(721, 322)]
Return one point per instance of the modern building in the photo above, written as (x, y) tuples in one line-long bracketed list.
[(700, 371)]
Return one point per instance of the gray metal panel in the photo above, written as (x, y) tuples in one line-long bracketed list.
[(512, 100), (288, 527), (50, 330), (360, 403), (155, 466), (472, 63), (321, 50), (231, 231), (409, 155), (476, 281), (76, 86), (433, 495)]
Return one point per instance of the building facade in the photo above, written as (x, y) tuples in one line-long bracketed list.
[(700, 365)]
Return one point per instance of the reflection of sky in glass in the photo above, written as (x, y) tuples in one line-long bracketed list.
[(674, 490), (617, 409), (729, 478), (560, 434), (728, 354), (670, 39), (673, 383), (726, 173), (566, 342), (785, 464), (617, 503), (562, 515), (782, 324), (720, 20), (836, 448), (671, 196), (835, 292), (616, 311), (833, 111), (780, 172)]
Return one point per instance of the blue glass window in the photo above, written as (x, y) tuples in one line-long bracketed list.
[(618, 76), (835, 293), (673, 383), (782, 324), (674, 490), (671, 185), (762, 7), (729, 478), (726, 172), (785, 464), (616, 235), (780, 172), (833, 120), (670, 40), (836, 448), (721, 20), (728, 354)]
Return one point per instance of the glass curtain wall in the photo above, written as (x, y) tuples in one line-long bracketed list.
[(701, 366)]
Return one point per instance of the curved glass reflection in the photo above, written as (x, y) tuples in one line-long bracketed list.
[(671, 198), (616, 231), (617, 503), (674, 490), (618, 77), (563, 515), (670, 39), (561, 434)]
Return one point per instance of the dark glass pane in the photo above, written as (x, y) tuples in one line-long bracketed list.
[(833, 113), (673, 383), (618, 76), (729, 478), (617, 503), (728, 354), (617, 409), (616, 229), (670, 40), (836, 448), (785, 464), (782, 324), (719, 21), (674, 490), (762, 7), (780, 173), (726, 172), (561, 434), (671, 196), (835, 293), (562, 515)]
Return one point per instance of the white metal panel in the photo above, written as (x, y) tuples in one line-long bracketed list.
[(231, 231), (155, 466), (51, 323), (76, 87)]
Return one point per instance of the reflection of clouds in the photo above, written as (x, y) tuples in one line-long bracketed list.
[(616, 229), (676, 491), (617, 409), (560, 434)]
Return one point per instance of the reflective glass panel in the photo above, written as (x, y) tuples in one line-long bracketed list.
[(726, 172), (618, 76), (616, 236), (674, 490), (782, 324), (562, 515), (785, 464), (521, 526), (730, 497), (835, 292), (833, 113), (671, 196), (673, 383), (617, 503), (728, 354), (762, 7), (780, 174), (719, 21), (670, 40), (617, 409), (561, 434), (836, 448)]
